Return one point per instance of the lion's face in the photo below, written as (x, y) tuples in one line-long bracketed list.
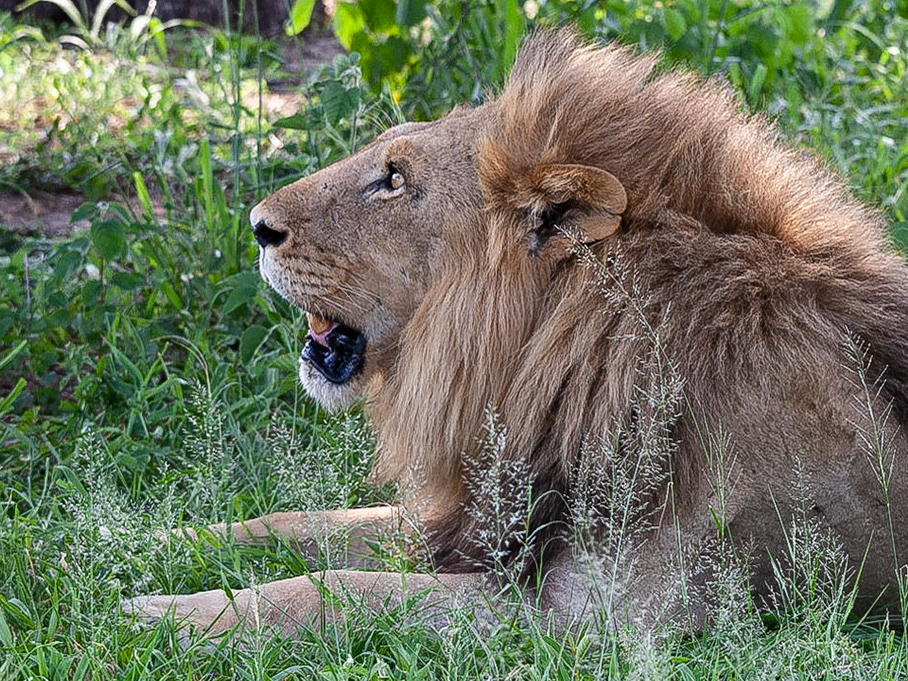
[(356, 245)]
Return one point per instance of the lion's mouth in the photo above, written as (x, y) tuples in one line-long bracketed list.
[(334, 350)]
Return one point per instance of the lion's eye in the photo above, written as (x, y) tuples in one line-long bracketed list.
[(396, 180)]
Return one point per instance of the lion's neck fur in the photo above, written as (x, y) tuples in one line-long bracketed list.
[(458, 358)]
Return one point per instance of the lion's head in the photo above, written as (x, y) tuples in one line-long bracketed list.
[(358, 244)]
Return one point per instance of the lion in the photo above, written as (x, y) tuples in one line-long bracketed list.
[(449, 269)]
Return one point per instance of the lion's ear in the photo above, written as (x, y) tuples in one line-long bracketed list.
[(562, 195)]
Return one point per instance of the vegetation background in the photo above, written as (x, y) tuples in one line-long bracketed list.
[(148, 378)]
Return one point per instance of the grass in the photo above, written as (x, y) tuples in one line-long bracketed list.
[(148, 378)]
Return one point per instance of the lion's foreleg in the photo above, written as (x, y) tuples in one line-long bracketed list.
[(345, 538), (315, 599)]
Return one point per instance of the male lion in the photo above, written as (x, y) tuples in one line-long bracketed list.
[(448, 272)]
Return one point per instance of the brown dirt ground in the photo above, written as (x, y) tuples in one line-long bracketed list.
[(302, 55), (39, 212), (48, 213)]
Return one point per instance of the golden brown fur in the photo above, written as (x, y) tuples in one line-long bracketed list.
[(753, 259)]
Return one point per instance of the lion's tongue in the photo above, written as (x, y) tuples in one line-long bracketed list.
[(319, 328)]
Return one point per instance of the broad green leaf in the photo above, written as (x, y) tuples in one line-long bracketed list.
[(300, 16), (67, 263), (251, 340), (243, 288), (800, 18), (237, 298), (298, 121), (128, 281), (338, 101), (107, 238), (85, 211), (91, 292), (247, 279), (349, 22), (675, 24), (379, 15), (410, 12)]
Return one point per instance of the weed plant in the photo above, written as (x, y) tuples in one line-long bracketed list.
[(148, 378)]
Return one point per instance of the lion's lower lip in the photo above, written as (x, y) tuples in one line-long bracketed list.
[(340, 357)]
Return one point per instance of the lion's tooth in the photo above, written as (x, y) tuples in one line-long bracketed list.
[(318, 324)]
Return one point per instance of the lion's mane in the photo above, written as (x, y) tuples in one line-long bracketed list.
[(754, 259)]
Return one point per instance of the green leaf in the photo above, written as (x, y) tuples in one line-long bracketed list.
[(12, 354), (128, 281), (66, 6), (514, 28), (107, 238), (338, 102), (171, 295), (385, 60), (300, 16), (675, 23), (144, 196), (237, 298), (410, 12), (66, 264), (86, 211), (800, 18), (6, 636), (288, 672), (6, 404), (899, 232), (82, 669), (18, 611), (247, 280), (349, 22), (298, 121), (251, 340), (242, 288), (756, 82), (101, 10), (91, 292), (379, 14)]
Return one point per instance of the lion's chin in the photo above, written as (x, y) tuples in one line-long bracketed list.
[(331, 396)]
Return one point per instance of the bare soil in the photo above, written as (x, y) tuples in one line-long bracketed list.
[(48, 213), (40, 212), (303, 54)]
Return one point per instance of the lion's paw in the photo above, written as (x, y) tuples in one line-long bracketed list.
[(149, 609), (209, 612)]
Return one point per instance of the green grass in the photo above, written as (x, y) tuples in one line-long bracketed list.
[(148, 378)]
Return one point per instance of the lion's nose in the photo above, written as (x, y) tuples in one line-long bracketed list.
[(266, 236)]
